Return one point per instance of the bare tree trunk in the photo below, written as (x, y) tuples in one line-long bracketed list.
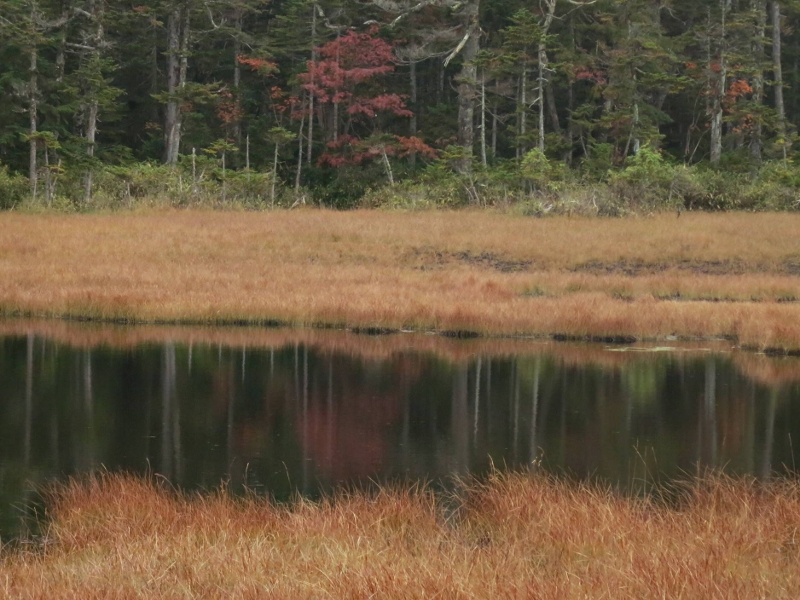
[(33, 92), (523, 108), (758, 83), (551, 107), (91, 134), (172, 124), (91, 123), (719, 92), (387, 165), (314, 9), (777, 73), (61, 51), (494, 130), (540, 99), (182, 71), (194, 172), (237, 74), (412, 124), (299, 157), (466, 86), (542, 57), (274, 175), (483, 118), (571, 98), (336, 104)]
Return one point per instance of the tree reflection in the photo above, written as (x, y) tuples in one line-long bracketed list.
[(294, 417)]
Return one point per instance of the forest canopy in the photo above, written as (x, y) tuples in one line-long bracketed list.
[(604, 105)]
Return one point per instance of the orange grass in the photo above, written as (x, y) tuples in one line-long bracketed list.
[(481, 271), (515, 536)]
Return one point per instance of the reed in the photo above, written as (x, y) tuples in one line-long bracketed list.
[(515, 535), (702, 275)]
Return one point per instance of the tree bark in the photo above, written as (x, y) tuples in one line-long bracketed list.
[(299, 172), (94, 107), (33, 92), (540, 98), (412, 123), (483, 118), (523, 108), (466, 87), (274, 175), (719, 90), (311, 93), (61, 58), (777, 72), (172, 134), (91, 133), (552, 108), (237, 74), (494, 130), (542, 57), (758, 83)]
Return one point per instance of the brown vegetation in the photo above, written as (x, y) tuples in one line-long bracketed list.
[(702, 275), (514, 536)]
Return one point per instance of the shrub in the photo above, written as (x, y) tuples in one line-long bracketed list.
[(647, 182), (543, 173), (13, 189)]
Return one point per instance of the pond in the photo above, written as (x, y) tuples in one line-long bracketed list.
[(283, 411)]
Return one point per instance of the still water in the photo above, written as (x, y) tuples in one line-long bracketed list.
[(307, 414)]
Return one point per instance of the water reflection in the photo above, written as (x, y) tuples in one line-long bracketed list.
[(304, 416)]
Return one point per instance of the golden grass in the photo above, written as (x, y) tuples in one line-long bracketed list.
[(516, 536), (482, 271)]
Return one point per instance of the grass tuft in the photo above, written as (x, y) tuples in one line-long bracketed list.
[(512, 535)]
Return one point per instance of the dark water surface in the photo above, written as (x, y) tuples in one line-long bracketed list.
[(308, 415)]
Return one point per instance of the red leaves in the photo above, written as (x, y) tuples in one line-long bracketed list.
[(228, 109), (348, 62), (351, 150), (259, 65), (739, 87), (383, 103), (342, 76), (414, 145)]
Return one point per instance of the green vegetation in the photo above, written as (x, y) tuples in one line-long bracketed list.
[(598, 107)]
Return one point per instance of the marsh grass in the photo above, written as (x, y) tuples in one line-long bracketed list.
[(513, 535), (702, 275)]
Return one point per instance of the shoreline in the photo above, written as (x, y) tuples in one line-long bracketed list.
[(734, 277)]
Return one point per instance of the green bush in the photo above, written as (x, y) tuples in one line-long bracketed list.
[(544, 174), (647, 182), (13, 189)]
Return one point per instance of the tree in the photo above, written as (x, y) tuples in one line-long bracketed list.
[(343, 78)]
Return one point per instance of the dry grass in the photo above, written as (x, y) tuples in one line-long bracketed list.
[(516, 536), (480, 271)]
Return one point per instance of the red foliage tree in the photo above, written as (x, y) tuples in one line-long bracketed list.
[(344, 78)]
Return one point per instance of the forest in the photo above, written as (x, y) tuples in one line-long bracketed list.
[(595, 106)]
